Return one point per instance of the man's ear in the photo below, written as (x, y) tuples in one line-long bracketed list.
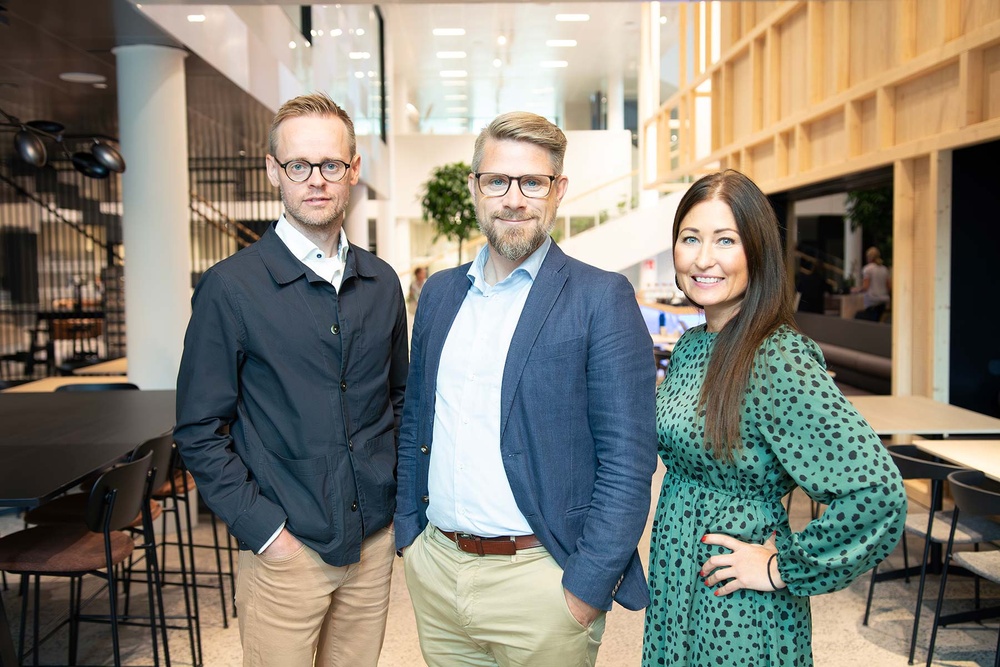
[(355, 169), (272, 170), (562, 182)]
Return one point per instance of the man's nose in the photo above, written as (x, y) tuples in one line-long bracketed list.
[(316, 177), (514, 198)]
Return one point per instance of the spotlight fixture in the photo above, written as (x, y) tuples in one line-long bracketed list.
[(99, 162)]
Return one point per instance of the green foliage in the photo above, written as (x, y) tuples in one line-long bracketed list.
[(447, 204), (872, 211)]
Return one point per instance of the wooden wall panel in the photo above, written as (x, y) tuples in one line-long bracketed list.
[(828, 140), (763, 159), (930, 25), (741, 113), (991, 83), (869, 129), (976, 13), (829, 49), (873, 40), (928, 105), (793, 38)]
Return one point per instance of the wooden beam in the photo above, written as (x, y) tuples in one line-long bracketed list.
[(885, 116), (902, 288), (814, 48), (842, 45), (971, 81), (852, 124), (772, 47), (907, 26), (757, 85), (940, 297)]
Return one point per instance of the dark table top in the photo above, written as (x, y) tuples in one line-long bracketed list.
[(50, 441)]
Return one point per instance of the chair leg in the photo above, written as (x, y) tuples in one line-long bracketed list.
[(940, 603), (24, 619), (906, 559), (218, 571), (74, 626), (189, 590), (38, 621), (871, 592), (920, 597), (113, 613), (194, 578)]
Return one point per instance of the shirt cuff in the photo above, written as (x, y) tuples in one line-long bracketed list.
[(272, 538)]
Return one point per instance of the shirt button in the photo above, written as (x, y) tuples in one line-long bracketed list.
[(425, 499), (343, 385), (350, 445), (354, 506), (335, 329), (424, 449)]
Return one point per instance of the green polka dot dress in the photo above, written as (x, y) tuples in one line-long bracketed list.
[(798, 430)]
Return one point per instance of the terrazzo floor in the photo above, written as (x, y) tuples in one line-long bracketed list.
[(839, 638)]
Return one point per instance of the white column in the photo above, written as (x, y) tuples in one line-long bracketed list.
[(854, 257), (616, 101), (152, 117), (356, 217)]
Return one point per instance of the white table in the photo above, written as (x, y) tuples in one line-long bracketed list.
[(981, 455), (918, 415)]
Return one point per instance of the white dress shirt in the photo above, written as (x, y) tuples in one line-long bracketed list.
[(330, 269), (467, 484)]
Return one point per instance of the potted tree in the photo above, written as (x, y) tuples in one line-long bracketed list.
[(447, 204)]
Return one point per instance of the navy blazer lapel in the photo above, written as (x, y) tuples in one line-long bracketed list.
[(452, 295), (547, 287)]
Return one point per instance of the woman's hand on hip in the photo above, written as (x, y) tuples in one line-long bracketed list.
[(745, 567)]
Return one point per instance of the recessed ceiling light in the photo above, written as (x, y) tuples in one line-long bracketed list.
[(292, 45), (336, 32), (82, 77), (501, 40), (196, 18), (456, 98), (359, 55), (457, 109), (497, 62), (554, 63), (359, 31), (450, 54), (561, 42), (454, 74), (359, 75), (448, 32), (663, 19), (572, 17)]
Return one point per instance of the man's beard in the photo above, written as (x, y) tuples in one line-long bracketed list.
[(514, 243), (317, 219)]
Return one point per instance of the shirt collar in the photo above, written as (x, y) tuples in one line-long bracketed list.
[(530, 265), (302, 247)]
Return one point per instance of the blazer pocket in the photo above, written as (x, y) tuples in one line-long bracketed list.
[(304, 489), (377, 477), (556, 350)]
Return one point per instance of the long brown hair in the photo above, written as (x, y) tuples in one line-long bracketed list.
[(766, 305)]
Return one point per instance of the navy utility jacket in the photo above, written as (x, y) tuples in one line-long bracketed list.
[(290, 395)]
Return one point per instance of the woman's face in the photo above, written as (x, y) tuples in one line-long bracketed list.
[(710, 261)]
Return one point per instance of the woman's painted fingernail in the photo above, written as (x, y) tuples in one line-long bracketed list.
[(717, 593), (704, 538)]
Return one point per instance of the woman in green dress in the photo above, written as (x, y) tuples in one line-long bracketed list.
[(746, 413)]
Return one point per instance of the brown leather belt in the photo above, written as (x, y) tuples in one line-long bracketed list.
[(506, 545)]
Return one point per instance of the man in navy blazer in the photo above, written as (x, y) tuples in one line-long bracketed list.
[(528, 438)]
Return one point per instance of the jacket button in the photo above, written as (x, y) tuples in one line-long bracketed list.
[(350, 445), (335, 329), (343, 385), (425, 499), (424, 449), (354, 506)]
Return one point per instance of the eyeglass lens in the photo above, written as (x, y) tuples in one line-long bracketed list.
[(300, 170)]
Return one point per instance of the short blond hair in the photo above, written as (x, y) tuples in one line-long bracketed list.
[(314, 104), (523, 126)]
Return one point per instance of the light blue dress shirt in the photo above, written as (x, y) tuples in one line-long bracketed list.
[(467, 484)]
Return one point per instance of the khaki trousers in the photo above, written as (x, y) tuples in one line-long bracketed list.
[(488, 611), (297, 609)]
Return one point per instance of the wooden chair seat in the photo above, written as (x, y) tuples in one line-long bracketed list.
[(61, 549)]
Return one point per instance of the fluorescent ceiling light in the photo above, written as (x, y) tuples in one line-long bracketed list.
[(450, 54), (448, 32), (561, 42), (501, 40), (196, 18), (572, 17), (359, 55), (456, 98), (554, 63), (453, 82), (454, 74)]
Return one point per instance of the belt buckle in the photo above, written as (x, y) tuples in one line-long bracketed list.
[(469, 543)]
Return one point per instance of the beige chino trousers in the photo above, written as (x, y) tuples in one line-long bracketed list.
[(490, 611), (297, 611)]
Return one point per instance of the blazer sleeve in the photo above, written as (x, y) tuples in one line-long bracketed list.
[(621, 389), (207, 393)]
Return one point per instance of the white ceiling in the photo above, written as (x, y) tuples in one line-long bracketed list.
[(502, 77)]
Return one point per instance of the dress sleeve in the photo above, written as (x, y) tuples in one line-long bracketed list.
[(832, 453)]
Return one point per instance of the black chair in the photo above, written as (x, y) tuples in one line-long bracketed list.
[(931, 526), (975, 496), (94, 547), (98, 386)]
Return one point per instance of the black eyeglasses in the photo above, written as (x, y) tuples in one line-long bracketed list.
[(534, 186), (299, 171)]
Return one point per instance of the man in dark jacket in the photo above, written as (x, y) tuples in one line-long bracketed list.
[(289, 400)]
